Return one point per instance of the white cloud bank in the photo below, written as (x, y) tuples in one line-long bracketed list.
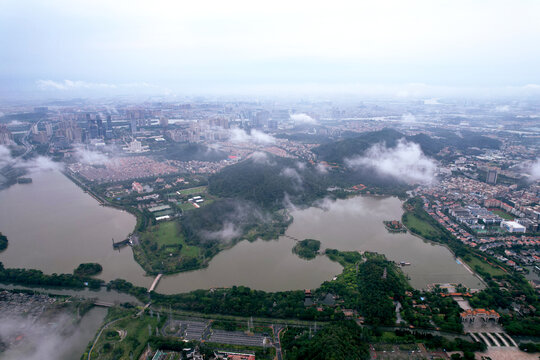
[(294, 176), (228, 232), (37, 164), (408, 118), (256, 136), (303, 119), (85, 85), (90, 157), (404, 162), (534, 170)]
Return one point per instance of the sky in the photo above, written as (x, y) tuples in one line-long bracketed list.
[(83, 46)]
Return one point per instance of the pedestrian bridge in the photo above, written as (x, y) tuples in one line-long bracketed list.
[(155, 282)]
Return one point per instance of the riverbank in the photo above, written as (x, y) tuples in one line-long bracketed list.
[(435, 235)]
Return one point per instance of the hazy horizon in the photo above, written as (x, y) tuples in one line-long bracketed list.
[(63, 49)]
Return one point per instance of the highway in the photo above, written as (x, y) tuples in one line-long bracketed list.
[(25, 142)]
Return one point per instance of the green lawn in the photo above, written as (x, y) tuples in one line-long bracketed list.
[(415, 223), (503, 214), (186, 206), (473, 261), (168, 233), (195, 190), (135, 333)]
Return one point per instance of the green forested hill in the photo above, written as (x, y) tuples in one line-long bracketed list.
[(337, 151), (266, 183)]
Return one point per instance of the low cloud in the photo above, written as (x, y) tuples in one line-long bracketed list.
[(260, 157), (256, 136), (303, 119), (54, 340), (294, 175), (321, 169), (37, 164), (301, 166), (534, 170), (90, 157), (502, 108), (408, 118), (288, 204), (71, 84), (5, 156), (232, 222), (15, 123), (404, 162), (85, 85), (228, 232)]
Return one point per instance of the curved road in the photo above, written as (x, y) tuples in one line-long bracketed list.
[(99, 335)]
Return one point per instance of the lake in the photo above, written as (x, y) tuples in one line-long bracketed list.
[(54, 226)]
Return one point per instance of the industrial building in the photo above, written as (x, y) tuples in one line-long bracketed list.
[(513, 227)]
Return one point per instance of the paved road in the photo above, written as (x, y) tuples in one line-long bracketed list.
[(277, 343), (99, 334)]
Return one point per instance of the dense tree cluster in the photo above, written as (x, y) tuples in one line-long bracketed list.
[(379, 283), (33, 277), (267, 183), (338, 151), (3, 242), (339, 340), (439, 342), (307, 249), (225, 221), (530, 347), (88, 269)]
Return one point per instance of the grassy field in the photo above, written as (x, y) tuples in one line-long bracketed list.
[(474, 262), (169, 234), (127, 337), (186, 206), (418, 225), (503, 214), (166, 233), (195, 190)]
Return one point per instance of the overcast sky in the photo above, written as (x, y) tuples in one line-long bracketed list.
[(116, 45)]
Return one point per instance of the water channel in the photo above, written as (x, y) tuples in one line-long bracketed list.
[(53, 225)]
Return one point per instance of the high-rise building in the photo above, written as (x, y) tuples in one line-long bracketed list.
[(109, 122), (100, 127), (491, 177), (261, 119), (49, 129), (6, 138), (133, 125), (163, 121)]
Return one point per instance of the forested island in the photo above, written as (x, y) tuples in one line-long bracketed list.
[(88, 269), (3, 242), (307, 249)]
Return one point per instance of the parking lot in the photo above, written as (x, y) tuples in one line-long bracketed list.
[(236, 338)]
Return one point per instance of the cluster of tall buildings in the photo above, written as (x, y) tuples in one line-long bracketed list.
[(6, 138)]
